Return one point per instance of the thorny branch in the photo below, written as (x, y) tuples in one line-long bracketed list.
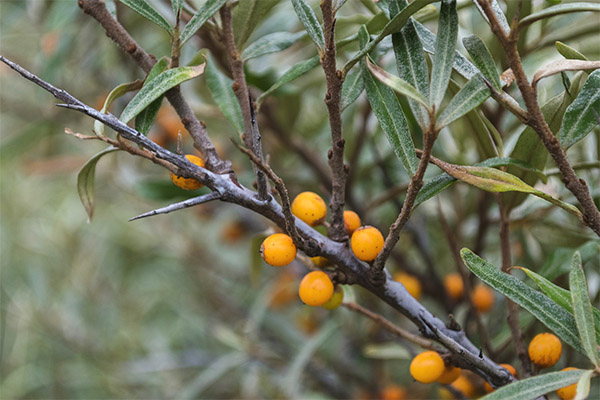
[(205, 198), (391, 292)]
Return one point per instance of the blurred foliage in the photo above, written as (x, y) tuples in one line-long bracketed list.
[(178, 306)]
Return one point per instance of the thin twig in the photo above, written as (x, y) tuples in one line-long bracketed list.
[(205, 198), (396, 330), (333, 97)]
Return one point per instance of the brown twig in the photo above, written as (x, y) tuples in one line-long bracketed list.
[(119, 35), (591, 214), (332, 100)]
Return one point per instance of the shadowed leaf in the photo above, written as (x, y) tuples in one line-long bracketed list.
[(208, 9), (145, 10), (536, 386), (85, 181), (583, 114)]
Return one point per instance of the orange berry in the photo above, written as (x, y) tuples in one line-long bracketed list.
[(351, 221), (545, 350), (336, 299), (320, 261), (483, 298), (464, 385), (310, 208), (450, 374), (366, 243), (284, 290), (454, 286), (412, 284), (488, 388), (568, 392), (316, 288), (393, 392), (427, 367), (278, 250), (188, 183)]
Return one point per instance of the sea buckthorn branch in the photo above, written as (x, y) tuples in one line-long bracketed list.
[(115, 31), (577, 186), (205, 198), (334, 81), (391, 292), (240, 89)]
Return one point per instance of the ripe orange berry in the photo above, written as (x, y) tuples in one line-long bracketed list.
[(188, 183), (412, 284), (483, 298), (366, 243), (310, 208), (488, 388), (568, 392), (351, 221), (464, 385), (454, 286), (284, 290), (278, 250), (315, 288), (320, 261), (336, 299), (450, 374), (393, 392), (545, 350), (427, 367)]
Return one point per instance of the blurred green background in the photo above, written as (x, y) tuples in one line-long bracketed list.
[(181, 305)]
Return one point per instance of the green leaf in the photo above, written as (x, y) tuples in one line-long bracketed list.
[(410, 61), (397, 84), (483, 59), (337, 4), (560, 296), (115, 94), (391, 119), (145, 10), (247, 15), (176, 4), (553, 316), (220, 369), (353, 86), (582, 309), (157, 87), (583, 114), (583, 385), (445, 47), (386, 351), (310, 22), (222, 93), (569, 52), (85, 181), (558, 10), (469, 97), (145, 119), (271, 43), (536, 386), (499, 15), (294, 72), (208, 9)]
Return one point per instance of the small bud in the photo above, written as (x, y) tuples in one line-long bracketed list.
[(340, 143), (131, 48), (329, 154)]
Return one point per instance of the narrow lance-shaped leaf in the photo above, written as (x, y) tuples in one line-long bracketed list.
[(176, 4), (532, 388), (85, 181), (445, 46), (410, 61), (115, 94), (247, 15), (220, 88), (271, 43), (583, 114), (145, 10), (469, 97), (582, 309), (568, 52), (208, 9), (556, 318), (145, 119), (560, 296), (399, 85), (499, 14), (583, 385), (483, 59), (563, 65), (294, 72), (389, 114), (558, 10), (310, 22), (353, 86), (157, 87)]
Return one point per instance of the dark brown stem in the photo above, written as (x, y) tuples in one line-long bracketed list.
[(119, 35), (332, 101), (512, 307), (591, 214)]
